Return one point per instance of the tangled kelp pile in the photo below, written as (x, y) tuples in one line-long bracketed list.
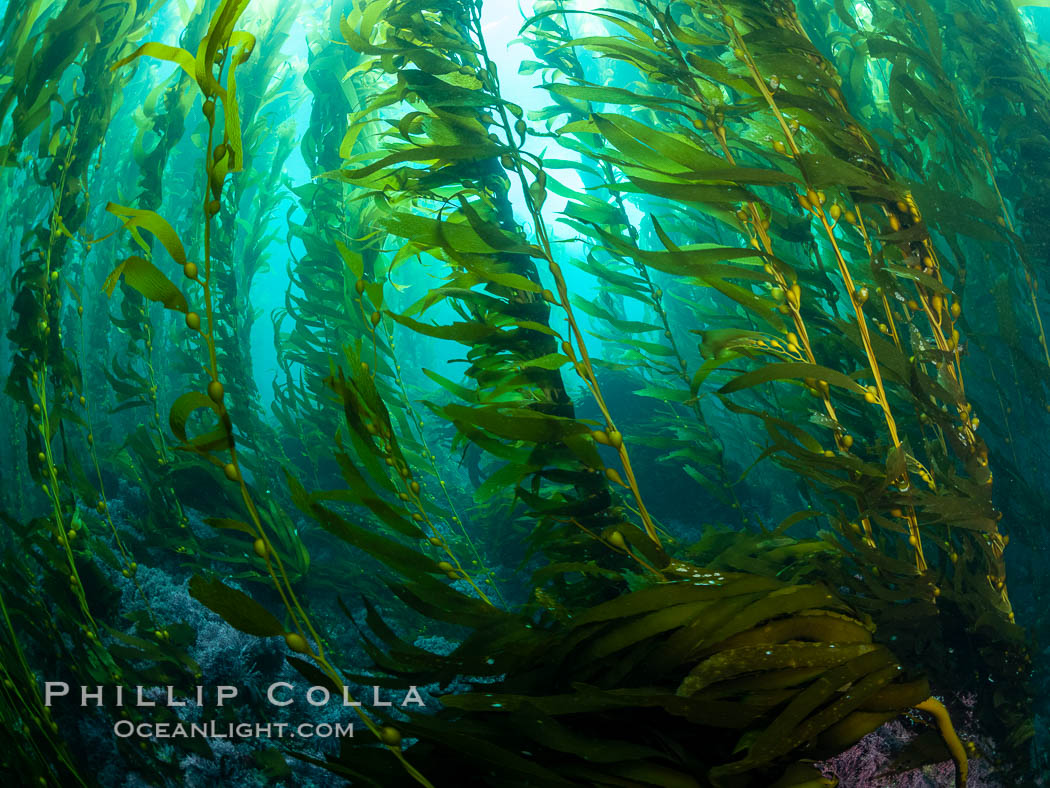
[(682, 411)]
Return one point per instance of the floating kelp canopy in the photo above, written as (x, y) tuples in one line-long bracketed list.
[(656, 384)]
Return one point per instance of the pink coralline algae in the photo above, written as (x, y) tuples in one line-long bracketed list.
[(870, 762)]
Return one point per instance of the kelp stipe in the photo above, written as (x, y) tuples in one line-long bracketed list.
[(625, 279), (932, 302), (46, 378), (222, 50)]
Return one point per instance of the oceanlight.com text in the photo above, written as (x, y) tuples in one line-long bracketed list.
[(243, 730)]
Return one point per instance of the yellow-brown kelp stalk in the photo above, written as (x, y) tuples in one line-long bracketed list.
[(812, 203), (224, 48), (582, 362), (939, 313), (798, 344), (41, 411)]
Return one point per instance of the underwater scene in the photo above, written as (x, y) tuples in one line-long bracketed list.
[(541, 393)]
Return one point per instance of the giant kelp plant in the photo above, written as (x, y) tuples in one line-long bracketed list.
[(652, 397)]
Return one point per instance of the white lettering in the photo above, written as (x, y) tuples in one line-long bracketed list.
[(346, 697), (376, 701), (272, 698), (55, 689), (96, 696), (413, 696), (171, 698)]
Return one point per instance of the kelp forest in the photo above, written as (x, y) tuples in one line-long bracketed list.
[(567, 393)]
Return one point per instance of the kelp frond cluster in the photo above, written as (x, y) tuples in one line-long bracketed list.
[(656, 383)]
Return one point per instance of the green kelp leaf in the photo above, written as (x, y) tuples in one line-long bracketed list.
[(652, 348), (627, 633), (707, 368), (549, 361), (607, 94), (140, 648), (651, 148), (788, 371), (863, 674), (704, 261), (957, 212), (231, 525), (220, 30), (762, 307), (751, 683), (791, 599), (713, 194), (426, 232), (702, 585), (440, 601), (417, 154), (644, 57), (365, 18), (803, 68), (956, 511), (600, 312), (459, 390), (675, 154), (779, 39), (179, 416), (313, 674), (508, 476), (852, 728), (586, 209), (516, 423), (847, 19), (176, 55), (405, 655), (285, 537), (797, 517), (734, 662), (239, 46), (237, 609), (488, 270), (713, 713), (896, 464), (467, 333), (665, 394), (817, 625), (828, 171), (898, 696), (679, 647), (927, 281), (495, 236), (151, 221), (131, 404), (363, 493), (354, 260), (395, 554), (147, 279)]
